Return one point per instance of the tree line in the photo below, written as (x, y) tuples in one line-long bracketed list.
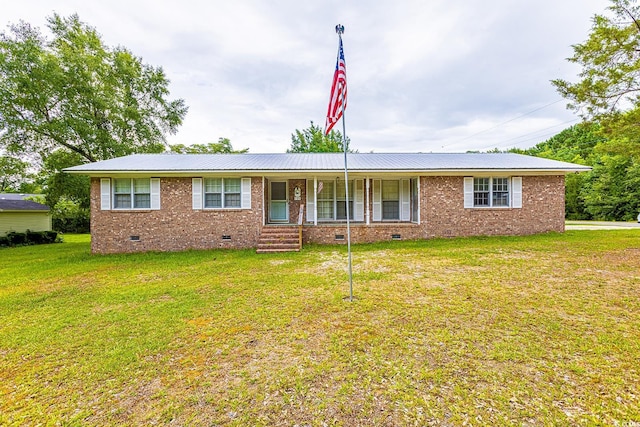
[(611, 190)]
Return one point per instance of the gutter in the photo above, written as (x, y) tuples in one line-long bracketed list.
[(260, 172)]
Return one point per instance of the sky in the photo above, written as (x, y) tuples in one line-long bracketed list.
[(422, 76)]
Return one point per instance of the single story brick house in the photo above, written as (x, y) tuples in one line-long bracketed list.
[(19, 215), (171, 202)]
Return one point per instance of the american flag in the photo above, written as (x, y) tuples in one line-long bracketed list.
[(338, 100)]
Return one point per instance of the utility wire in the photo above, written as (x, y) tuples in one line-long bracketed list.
[(503, 123), (531, 133)]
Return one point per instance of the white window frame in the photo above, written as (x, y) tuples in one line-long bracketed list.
[(224, 193), (108, 188), (405, 200), (514, 192), (334, 199), (356, 199), (348, 204), (397, 200), (199, 193), (326, 198)]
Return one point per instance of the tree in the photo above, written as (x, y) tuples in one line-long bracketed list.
[(612, 190), (576, 144), (608, 90), (314, 140), (58, 185), (610, 60), (223, 146), (73, 92), (13, 174), (68, 216)]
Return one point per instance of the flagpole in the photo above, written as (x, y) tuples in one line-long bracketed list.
[(340, 30)]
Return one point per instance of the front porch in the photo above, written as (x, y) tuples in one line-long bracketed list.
[(315, 209), (370, 200)]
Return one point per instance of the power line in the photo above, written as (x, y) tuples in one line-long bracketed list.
[(532, 133), (503, 123)]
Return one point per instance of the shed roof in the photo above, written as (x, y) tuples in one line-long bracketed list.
[(325, 162), (15, 202)]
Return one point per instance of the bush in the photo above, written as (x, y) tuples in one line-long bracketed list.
[(50, 236), (29, 238), (16, 239), (35, 237), (69, 217)]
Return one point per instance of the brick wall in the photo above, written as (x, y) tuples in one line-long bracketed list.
[(361, 233), (176, 226), (444, 215)]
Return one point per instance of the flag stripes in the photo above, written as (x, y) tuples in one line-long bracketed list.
[(338, 100)]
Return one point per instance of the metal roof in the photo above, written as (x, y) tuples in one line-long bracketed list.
[(325, 162)]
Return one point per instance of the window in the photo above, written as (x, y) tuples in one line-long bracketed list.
[(415, 204), (222, 193), (490, 192), (391, 200), (325, 200), (341, 200), (481, 192), (500, 192), (395, 200), (332, 200), (131, 193)]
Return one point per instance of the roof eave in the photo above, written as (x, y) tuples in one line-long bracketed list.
[(26, 210), (259, 172)]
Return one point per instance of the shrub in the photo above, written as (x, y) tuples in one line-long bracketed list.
[(69, 217), (35, 237), (17, 238), (29, 238), (50, 237)]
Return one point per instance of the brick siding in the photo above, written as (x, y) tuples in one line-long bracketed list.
[(442, 214), (176, 226)]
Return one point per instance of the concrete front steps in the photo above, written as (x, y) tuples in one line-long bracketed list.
[(279, 238)]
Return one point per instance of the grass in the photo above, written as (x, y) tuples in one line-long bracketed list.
[(538, 330)]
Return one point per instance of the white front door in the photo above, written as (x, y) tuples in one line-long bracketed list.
[(278, 203)]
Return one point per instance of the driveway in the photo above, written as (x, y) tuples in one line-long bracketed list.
[(600, 225)]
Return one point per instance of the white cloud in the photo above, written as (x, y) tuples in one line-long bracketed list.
[(423, 76)]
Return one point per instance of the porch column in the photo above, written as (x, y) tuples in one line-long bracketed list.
[(264, 204), (315, 200), (367, 212)]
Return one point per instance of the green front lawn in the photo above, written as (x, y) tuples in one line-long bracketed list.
[(540, 330)]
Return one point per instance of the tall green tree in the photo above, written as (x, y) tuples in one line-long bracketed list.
[(223, 146), (608, 92), (610, 60), (58, 184), (612, 190), (608, 87), (72, 91), (13, 174), (314, 140), (575, 144)]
